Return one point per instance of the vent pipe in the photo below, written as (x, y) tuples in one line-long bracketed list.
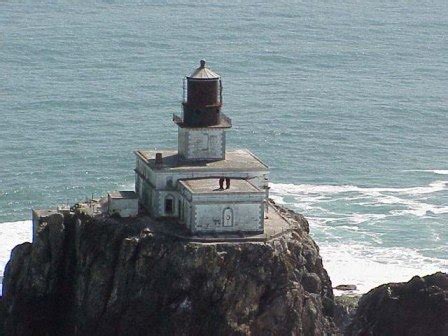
[(159, 160)]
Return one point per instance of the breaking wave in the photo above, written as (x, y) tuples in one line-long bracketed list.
[(367, 266), (369, 236), (402, 198), (435, 171)]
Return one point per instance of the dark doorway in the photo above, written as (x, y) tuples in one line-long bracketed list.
[(169, 205)]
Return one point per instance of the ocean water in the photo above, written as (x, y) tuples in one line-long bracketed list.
[(345, 100)]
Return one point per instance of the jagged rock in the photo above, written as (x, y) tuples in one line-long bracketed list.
[(415, 308), (345, 287), (345, 309), (92, 276)]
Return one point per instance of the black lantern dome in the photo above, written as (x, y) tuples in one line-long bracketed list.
[(202, 98)]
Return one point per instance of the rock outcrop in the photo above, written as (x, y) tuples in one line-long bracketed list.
[(415, 308), (345, 309), (97, 276)]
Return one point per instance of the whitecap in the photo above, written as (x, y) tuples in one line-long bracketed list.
[(308, 196), (440, 172), (434, 171), (374, 191), (284, 188), (359, 218)]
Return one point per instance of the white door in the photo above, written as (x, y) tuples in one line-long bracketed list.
[(227, 217)]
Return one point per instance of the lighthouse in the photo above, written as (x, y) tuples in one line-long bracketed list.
[(202, 128), (183, 184)]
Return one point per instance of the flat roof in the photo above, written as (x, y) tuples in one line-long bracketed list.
[(123, 195), (236, 160), (211, 185), (45, 212)]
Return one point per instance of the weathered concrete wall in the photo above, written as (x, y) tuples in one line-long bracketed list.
[(146, 171), (153, 199), (161, 196), (145, 193), (123, 207), (228, 217), (202, 144), (224, 197)]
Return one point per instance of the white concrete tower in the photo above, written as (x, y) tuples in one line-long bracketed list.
[(201, 133)]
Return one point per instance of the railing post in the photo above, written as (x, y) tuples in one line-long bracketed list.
[(184, 90)]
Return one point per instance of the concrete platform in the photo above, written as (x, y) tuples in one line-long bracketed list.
[(236, 160)]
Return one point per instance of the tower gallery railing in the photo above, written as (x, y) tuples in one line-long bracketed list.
[(224, 119)]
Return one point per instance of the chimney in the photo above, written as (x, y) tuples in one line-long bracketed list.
[(159, 160)]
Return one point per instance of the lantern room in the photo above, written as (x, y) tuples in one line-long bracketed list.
[(201, 132), (202, 99)]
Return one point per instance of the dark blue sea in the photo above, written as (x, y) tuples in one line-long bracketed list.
[(347, 101)]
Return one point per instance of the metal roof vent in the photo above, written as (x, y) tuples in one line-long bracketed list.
[(159, 160), (203, 73)]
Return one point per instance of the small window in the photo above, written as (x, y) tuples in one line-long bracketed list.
[(169, 205), (205, 141)]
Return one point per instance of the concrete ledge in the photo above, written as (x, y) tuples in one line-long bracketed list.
[(276, 225)]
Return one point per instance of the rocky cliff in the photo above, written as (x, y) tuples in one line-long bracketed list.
[(2, 317), (415, 308), (102, 276)]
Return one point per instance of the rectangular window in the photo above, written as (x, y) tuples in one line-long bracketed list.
[(205, 141)]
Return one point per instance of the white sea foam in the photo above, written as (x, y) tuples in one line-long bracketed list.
[(434, 171), (414, 207), (290, 189), (367, 266), (440, 172), (358, 218), (364, 260), (12, 234), (308, 196)]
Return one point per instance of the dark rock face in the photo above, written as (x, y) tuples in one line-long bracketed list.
[(415, 308), (85, 276), (2, 317), (345, 309)]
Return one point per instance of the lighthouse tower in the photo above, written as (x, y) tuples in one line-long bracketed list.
[(201, 130)]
